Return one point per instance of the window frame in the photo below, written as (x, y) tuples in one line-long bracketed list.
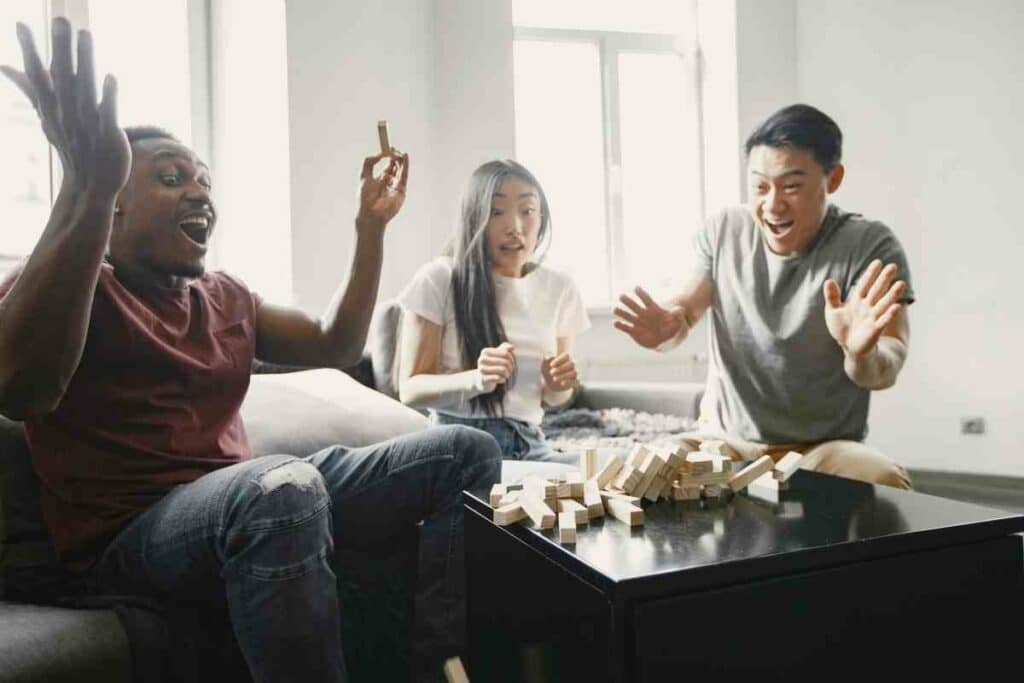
[(610, 44)]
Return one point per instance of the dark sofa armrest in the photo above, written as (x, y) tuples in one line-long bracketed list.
[(671, 398)]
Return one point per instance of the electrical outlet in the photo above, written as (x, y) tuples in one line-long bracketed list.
[(972, 425)]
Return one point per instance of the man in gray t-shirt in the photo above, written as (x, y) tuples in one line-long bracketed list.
[(808, 308)]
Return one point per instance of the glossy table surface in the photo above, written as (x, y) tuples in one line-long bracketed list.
[(820, 521)]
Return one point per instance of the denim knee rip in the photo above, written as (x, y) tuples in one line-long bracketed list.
[(294, 490), (300, 474), (293, 507)]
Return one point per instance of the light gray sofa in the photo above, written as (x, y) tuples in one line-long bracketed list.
[(296, 413)]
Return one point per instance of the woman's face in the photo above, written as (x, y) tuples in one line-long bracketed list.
[(514, 226)]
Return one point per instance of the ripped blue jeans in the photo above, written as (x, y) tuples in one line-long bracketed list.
[(265, 532)]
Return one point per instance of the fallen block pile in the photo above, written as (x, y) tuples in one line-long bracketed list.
[(693, 471)]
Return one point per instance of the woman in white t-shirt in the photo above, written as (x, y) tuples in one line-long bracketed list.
[(487, 332)]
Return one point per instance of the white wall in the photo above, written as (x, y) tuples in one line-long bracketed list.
[(928, 95), (473, 110), (440, 73), (924, 91), (349, 65)]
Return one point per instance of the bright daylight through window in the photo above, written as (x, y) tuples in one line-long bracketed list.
[(607, 117)]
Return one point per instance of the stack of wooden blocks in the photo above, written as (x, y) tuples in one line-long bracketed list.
[(692, 471)]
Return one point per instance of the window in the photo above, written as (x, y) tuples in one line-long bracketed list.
[(25, 173), (171, 74), (145, 43), (607, 117)]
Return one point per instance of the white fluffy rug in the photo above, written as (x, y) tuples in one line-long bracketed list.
[(613, 429)]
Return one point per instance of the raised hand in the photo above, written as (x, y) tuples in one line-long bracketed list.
[(857, 323), (559, 372), (94, 152), (496, 365), (648, 323), (381, 197)]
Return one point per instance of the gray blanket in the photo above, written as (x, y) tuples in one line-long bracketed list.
[(614, 429)]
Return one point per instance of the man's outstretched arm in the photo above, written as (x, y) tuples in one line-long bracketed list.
[(289, 336), (44, 316), (662, 327)]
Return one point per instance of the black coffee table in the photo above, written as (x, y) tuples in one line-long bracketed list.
[(838, 578)]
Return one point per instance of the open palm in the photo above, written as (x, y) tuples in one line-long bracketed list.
[(93, 150), (857, 323), (647, 322)]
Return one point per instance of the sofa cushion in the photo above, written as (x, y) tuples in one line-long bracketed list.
[(300, 413), (382, 344), (28, 562), (40, 643)]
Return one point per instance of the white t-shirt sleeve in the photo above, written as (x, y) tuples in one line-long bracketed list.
[(428, 294), (572, 313)]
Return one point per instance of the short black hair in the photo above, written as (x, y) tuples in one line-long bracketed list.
[(137, 133), (801, 126)]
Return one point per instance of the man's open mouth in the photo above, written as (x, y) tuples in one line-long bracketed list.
[(778, 227), (196, 228)]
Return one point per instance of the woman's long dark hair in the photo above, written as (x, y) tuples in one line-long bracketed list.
[(476, 312)]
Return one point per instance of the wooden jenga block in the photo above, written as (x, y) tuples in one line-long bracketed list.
[(540, 488), (699, 467), (653, 492), (570, 505), (674, 460), (592, 499), (628, 478), (650, 469), (497, 492), (382, 134), (588, 462), (510, 497), (509, 514), (689, 445), (624, 511), (766, 487), (574, 480), (619, 495), (700, 480), (454, 671), (751, 472), (608, 473), (538, 511), (637, 456), (787, 465), (719, 447), (563, 490), (711, 490), (681, 492), (567, 527)]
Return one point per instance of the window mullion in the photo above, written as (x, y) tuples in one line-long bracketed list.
[(201, 78), (77, 12), (613, 167)]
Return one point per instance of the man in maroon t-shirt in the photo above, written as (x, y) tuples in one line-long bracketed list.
[(128, 362)]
